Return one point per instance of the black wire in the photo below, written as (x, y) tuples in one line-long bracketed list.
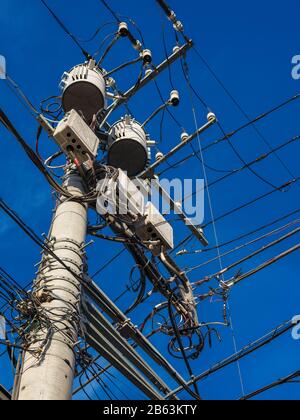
[(30, 153), (258, 132), (234, 132), (66, 30), (161, 126), (114, 14), (108, 49), (234, 149), (113, 259), (96, 32), (258, 118), (276, 384), (259, 198), (179, 125), (141, 294), (166, 54), (9, 277), (251, 232), (123, 66), (34, 237), (250, 164), (239, 156), (175, 328), (241, 207)]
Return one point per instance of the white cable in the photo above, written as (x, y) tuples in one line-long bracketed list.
[(215, 232)]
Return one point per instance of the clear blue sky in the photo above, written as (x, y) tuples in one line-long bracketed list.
[(250, 46)]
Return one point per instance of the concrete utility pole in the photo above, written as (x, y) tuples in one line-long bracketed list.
[(49, 364)]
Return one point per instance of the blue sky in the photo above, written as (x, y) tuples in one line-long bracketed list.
[(250, 47)]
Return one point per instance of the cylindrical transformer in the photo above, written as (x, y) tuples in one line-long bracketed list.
[(84, 89), (127, 147)]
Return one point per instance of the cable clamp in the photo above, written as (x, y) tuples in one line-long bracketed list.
[(126, 329)]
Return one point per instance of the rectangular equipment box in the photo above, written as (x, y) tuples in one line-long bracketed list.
[(154, 227), (73, 135)]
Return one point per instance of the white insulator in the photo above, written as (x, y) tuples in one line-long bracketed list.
[(176, 49), (123, 29), (175, 98), (211, 116), (159, 156), (184, 136), (147, 56), (148, 72)]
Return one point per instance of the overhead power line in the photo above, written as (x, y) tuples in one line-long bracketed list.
[(225, 286), (233, 133), (255, 200), (30, 153), (293, 378), (248, 165), (248, 257), (66, 30), (114, 14), (258, 132), (241, 207), (238, 279), (245, 351), (240, 237)]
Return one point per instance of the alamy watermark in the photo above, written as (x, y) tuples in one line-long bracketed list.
[(126, 196), (296, 329), (2, 67), (296, 67)]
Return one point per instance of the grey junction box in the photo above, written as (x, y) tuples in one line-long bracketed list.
[(73, 135)]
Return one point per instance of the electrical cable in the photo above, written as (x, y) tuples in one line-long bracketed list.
[(34, 237), (123, 66), (241, 207), (255, 200), (66, 30), (21, 95), (258, 132), (238, 238), (186, 73), (246, 351), (36, 161), (108, 49), (105, 25), (106, 265), (236, 131), (107, 6), (279, 382), (248, 165), (252, 255), (178, 337)]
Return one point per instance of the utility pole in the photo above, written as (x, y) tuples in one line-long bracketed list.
[(52, 314), (49, 363)]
